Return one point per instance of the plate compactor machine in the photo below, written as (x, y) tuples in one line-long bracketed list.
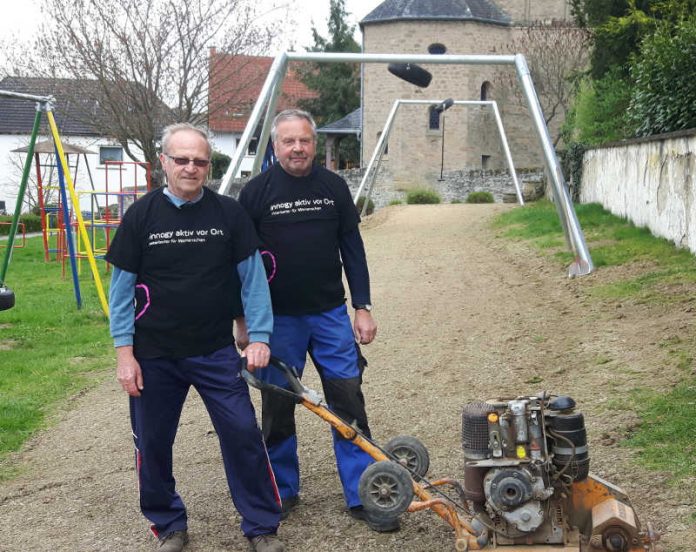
[(526, 485)]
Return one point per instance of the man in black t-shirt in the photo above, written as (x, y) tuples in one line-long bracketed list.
[(308, 225), (183, 255)]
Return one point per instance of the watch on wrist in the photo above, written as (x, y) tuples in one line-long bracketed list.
[(365, 306)]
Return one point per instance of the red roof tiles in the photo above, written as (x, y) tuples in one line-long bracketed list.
[(235, 85)]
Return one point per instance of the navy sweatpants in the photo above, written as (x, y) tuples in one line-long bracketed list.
[(155, 417), (328, 337)]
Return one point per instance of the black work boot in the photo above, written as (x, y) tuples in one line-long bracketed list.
[(266, 543), (173, 542), (288, 505), (385, 525)]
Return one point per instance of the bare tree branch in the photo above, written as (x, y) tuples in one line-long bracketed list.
[(149, 58), (557, 54)]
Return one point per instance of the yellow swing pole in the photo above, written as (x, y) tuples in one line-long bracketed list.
[(78, 213)]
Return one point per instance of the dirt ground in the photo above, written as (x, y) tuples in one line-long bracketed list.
[(462, 316)]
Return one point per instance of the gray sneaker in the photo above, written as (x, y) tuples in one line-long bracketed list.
[(266, 543), (173, 542)]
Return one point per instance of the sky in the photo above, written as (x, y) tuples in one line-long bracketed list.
[(20, 20)]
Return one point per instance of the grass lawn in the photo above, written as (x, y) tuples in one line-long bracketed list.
[(49, 350), (665, 438)]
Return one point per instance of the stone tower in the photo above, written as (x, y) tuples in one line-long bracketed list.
[(415, 155)]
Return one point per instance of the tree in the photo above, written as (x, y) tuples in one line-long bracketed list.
[(640, 82), (337, 84), (599, 110), (663, 97), (557, 54), (619, 26), (149, 58)]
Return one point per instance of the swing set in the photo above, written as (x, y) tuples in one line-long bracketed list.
[(45, 104)]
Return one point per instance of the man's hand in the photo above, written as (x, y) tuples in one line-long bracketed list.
[(364, 326), (128, 371), (241, 335), (257, 354)]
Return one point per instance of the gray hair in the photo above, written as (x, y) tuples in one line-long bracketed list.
[(292, 114), (171, 130)]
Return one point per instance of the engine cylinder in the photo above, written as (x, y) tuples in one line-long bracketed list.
[(475, 430), (475, 444), (570, 452)]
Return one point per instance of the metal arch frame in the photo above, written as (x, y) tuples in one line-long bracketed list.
[(268, 98), (378, 153)]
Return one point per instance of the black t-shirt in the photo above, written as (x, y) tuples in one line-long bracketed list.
[(186, 261), (300, 221)]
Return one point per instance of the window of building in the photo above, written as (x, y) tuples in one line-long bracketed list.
[(386, 146), (433, 118), (253, 146), (486, 91), (437, 49), (110, 153), (485, 162)]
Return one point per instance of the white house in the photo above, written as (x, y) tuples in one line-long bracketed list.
[(72, 111), (235, 84)]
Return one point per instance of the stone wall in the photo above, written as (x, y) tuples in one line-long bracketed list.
[(455, 186), (649, 181)]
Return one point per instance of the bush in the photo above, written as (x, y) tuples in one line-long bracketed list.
[(370, 205), (599, 111), (663, 98), (422, 197), (456, 201), (32, 223), (395, 202), (219, 162), (480, 197), (571, 164)]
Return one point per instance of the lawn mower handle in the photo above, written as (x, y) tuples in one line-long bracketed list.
[(297, 391)]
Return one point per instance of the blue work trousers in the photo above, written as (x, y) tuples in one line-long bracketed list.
[(328, 338), (155, 417)]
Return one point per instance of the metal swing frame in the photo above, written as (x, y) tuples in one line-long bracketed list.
[(268, 100)]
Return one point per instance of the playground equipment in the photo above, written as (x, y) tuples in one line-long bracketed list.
[(373, 166), (526, 485), (268, 100), (44, 104), (52, 220), (117, 196), (7, 299), (106, 207)]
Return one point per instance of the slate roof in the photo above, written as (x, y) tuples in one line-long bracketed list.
[(72, 104), (445, 10), (75, 109), (235, 84), (350, 124)]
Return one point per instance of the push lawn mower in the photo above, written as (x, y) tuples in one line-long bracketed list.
[(526, 486)]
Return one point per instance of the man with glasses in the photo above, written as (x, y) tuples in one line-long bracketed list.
[(183, 255), (306, 219)]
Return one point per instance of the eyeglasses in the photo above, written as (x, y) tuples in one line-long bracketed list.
[(183, 161)]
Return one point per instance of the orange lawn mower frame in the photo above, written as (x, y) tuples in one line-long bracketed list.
[(526, 488)]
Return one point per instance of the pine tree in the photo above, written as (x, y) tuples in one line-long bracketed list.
[(337, 84)]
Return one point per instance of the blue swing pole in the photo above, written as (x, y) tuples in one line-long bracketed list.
[(68, 231)]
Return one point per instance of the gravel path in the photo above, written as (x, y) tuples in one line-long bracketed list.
[(462, 316)]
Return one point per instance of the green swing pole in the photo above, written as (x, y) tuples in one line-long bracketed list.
[(20, 196)]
